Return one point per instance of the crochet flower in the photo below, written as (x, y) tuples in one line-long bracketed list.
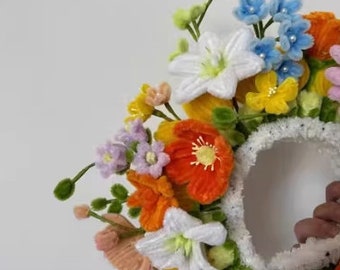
[(251, 11), (283, 9), (156, 96), (293, 38), (288, 68), (150, 158), (266, 49), (270, 97), (133, 132), (333, 74), (201, 159), (111, 159), (179, 243), (153, 196), (217, 67)]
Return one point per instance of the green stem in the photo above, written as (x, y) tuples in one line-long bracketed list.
[(171, 110), (251, 116), (261, 29), (160, 114), (82, 172), (256, 30), (269, 23), (235, 104), (192, 32), (197, 29), (132, 233), (204, 12)]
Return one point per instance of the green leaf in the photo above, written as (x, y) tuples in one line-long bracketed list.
[(328, 110), (234, 137), (119, 191), (314, 113), (64, 189), (134, 212), (129, 155), (115, 207), (224, 117), (99, 204)]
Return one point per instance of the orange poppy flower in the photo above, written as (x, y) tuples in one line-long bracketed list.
[(200, 158), (153, 196), (325, 28)]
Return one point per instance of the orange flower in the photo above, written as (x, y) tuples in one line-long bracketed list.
[(154, 196), (325, 28), (200, 158)]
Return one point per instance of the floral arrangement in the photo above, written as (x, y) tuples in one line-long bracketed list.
[(240, 93)]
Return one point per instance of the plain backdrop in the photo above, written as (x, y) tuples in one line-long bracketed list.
[(68, 68)]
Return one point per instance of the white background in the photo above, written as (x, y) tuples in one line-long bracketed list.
[(67, 70)]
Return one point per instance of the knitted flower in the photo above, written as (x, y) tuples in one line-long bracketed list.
[(251, 11), (153, 196), (217, 67), (284, 9), (270, 97), (333, 74), (179, 243), (201, 159), (266, 49), (288, 68), (150, 158), (133, 132)]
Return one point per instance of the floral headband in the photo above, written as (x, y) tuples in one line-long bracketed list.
[(241, 93)]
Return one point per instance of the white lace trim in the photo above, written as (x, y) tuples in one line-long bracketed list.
[(312, 255)]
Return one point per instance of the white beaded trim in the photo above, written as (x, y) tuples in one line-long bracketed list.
[(312, 254)]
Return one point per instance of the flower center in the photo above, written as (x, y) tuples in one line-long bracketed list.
[(107, 158), (205, 153), (251, 9), (151, 158), (292, 38), (272, 91), (284, 10), (213, 65), (180, 242)]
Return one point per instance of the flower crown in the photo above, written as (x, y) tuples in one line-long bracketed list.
[(240, 94)]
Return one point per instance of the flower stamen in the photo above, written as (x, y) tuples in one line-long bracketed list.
[(205, 153)]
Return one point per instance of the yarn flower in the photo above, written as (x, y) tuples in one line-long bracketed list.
[(217, 67), (293, 38), (251, 11), (266, 49), (153, 196), (333, 74), (201, 159), (288, 68), (270, 97), (179, 243), (150, 158), (134, 131), (284, 9), (111, 159)]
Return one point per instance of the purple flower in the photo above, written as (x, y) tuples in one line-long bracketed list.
[(111, 159), (134, 132), (333, 74), (150, 159)]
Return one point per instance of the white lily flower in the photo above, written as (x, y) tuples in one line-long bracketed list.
[(217, 67), (179, 243)]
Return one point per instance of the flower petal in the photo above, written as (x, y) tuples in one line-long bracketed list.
[(191, 88), (224, 86), (288, 89), (238, 41), (185, 65), (265, 81), (333, 74), (177, 220), (213, 233), (334, 93), (246, 64), (198, 260), (210, 42), (276, 106), (335, 53)]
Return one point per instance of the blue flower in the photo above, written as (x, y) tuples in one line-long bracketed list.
[(293, 38), (288, 68), (283, 9), (251, 11), (265, 48)]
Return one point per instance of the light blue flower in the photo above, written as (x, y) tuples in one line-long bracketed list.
[(266, 49), (293, 38), (283, 9), (288, 68), (251, 11)]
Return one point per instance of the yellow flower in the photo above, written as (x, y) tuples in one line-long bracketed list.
[(318, 82), (270, 97), (138, 108)]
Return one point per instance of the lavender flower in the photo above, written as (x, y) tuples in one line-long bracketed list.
[(150, 159), (111, 159), (251, 11), (288, 68), (283, 9), (134, 132), (265, 48), (293, 38)]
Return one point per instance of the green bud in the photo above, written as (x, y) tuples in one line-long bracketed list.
[(182, 18), (310, 104), (328, 112), (234, 137), (134, 212), (99, 204), (119, 191), (182, 45), (219, 216), (64, 189), (224, 256), (115, 207), (173, 55), (196, 11), (224, 117)]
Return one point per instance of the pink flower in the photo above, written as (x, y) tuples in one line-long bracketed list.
[(333, 74), (156, 96), (81, 211)]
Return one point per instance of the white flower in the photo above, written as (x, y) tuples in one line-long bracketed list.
[(217, 67), (178, 243)]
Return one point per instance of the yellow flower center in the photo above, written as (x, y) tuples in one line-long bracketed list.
[(212, 66), (107, 158), (205, 153), (272, 91), (151, 158)]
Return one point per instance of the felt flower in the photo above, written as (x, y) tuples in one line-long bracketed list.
[(333, 74), (111, 158), (153, 196), (270, 97), (156, 96), (288, 68), (293, 38), (201, 159), (179, 243), (134, 131), (217, 67), (251, 11), (266, 49), (150, 158), (325, 28), (284, 9), (138, 108)]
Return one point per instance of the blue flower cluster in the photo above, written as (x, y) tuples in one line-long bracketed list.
[(283, 52)]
